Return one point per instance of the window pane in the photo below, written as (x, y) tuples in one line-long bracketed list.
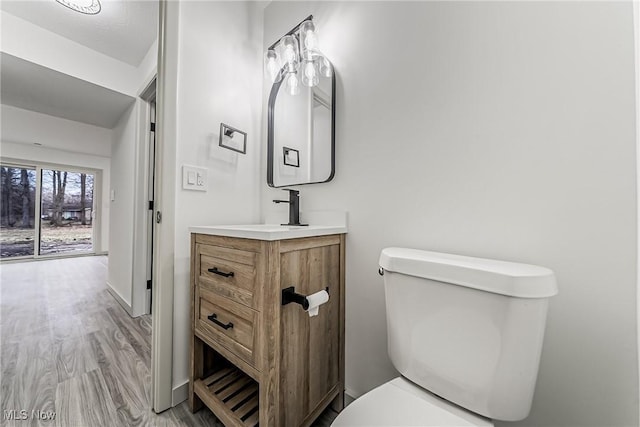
[(17, 211), (66, 212)]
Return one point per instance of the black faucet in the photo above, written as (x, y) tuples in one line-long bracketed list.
[(294, 206)]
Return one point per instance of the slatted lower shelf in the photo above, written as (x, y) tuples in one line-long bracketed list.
[(234, 393)]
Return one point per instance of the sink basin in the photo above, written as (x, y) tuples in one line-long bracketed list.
[(268, 231)]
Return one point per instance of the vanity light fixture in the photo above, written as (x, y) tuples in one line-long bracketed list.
[(88, 7), (297, 59)]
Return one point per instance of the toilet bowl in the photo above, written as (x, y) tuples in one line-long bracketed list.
[(466, 336)]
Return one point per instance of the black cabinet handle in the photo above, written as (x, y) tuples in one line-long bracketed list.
[(214, 318), (220, 273)]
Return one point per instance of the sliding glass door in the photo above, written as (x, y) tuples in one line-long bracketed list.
[(66, 212), (17, 211), (45, 211)]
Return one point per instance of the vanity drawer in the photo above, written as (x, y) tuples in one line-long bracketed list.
[(229, 272), (227, 323)]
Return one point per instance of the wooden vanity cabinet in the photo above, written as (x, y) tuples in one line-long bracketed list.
[(255, 361)]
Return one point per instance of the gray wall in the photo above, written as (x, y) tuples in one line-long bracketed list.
[(501, 130)]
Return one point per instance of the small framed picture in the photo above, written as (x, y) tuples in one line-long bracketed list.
[(233, 139), (291, 157)]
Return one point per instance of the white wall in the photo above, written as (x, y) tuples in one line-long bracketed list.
[(121, 218), (501, 130), (219, 80), (128, 160), (18, 125), (65, 142), (148, 67)]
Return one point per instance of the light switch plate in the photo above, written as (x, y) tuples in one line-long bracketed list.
[(194, 178)]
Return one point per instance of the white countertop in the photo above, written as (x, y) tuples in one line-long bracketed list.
[(268, 231)]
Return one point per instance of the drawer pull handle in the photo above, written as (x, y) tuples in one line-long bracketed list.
[(214, 318), (220, 273)]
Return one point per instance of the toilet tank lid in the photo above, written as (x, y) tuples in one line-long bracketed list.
[(500, 277)]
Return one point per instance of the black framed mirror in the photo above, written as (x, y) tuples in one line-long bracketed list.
[(304, 122)]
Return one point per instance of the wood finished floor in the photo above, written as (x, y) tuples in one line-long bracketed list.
[(67, 346)]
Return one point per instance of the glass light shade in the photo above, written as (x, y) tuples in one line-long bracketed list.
[(88, 7), (308, 40), (289, 48), (325, 67), (293, 84), (271, 65), (310, 73)]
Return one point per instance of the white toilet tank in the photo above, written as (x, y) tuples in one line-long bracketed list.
[(469, 330)]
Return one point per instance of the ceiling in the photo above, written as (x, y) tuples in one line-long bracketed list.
[(123, 30), (33, 87)]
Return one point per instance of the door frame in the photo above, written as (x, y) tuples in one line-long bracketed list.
[(164, 232), (141, 198), (636, 37)]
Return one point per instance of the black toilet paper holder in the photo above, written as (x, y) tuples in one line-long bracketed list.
[(290, 295)]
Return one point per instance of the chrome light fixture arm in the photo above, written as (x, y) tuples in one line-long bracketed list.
[(292, 32)]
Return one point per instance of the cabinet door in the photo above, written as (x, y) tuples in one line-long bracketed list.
[(310, 358)]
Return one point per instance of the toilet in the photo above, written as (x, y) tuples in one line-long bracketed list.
[(466, 336)]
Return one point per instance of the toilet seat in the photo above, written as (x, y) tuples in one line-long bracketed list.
[(399, 402)]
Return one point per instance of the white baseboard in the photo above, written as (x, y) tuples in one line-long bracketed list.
[(120, 300), (180, 393)]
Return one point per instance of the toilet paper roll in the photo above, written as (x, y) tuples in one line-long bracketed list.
[(315, 301)]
